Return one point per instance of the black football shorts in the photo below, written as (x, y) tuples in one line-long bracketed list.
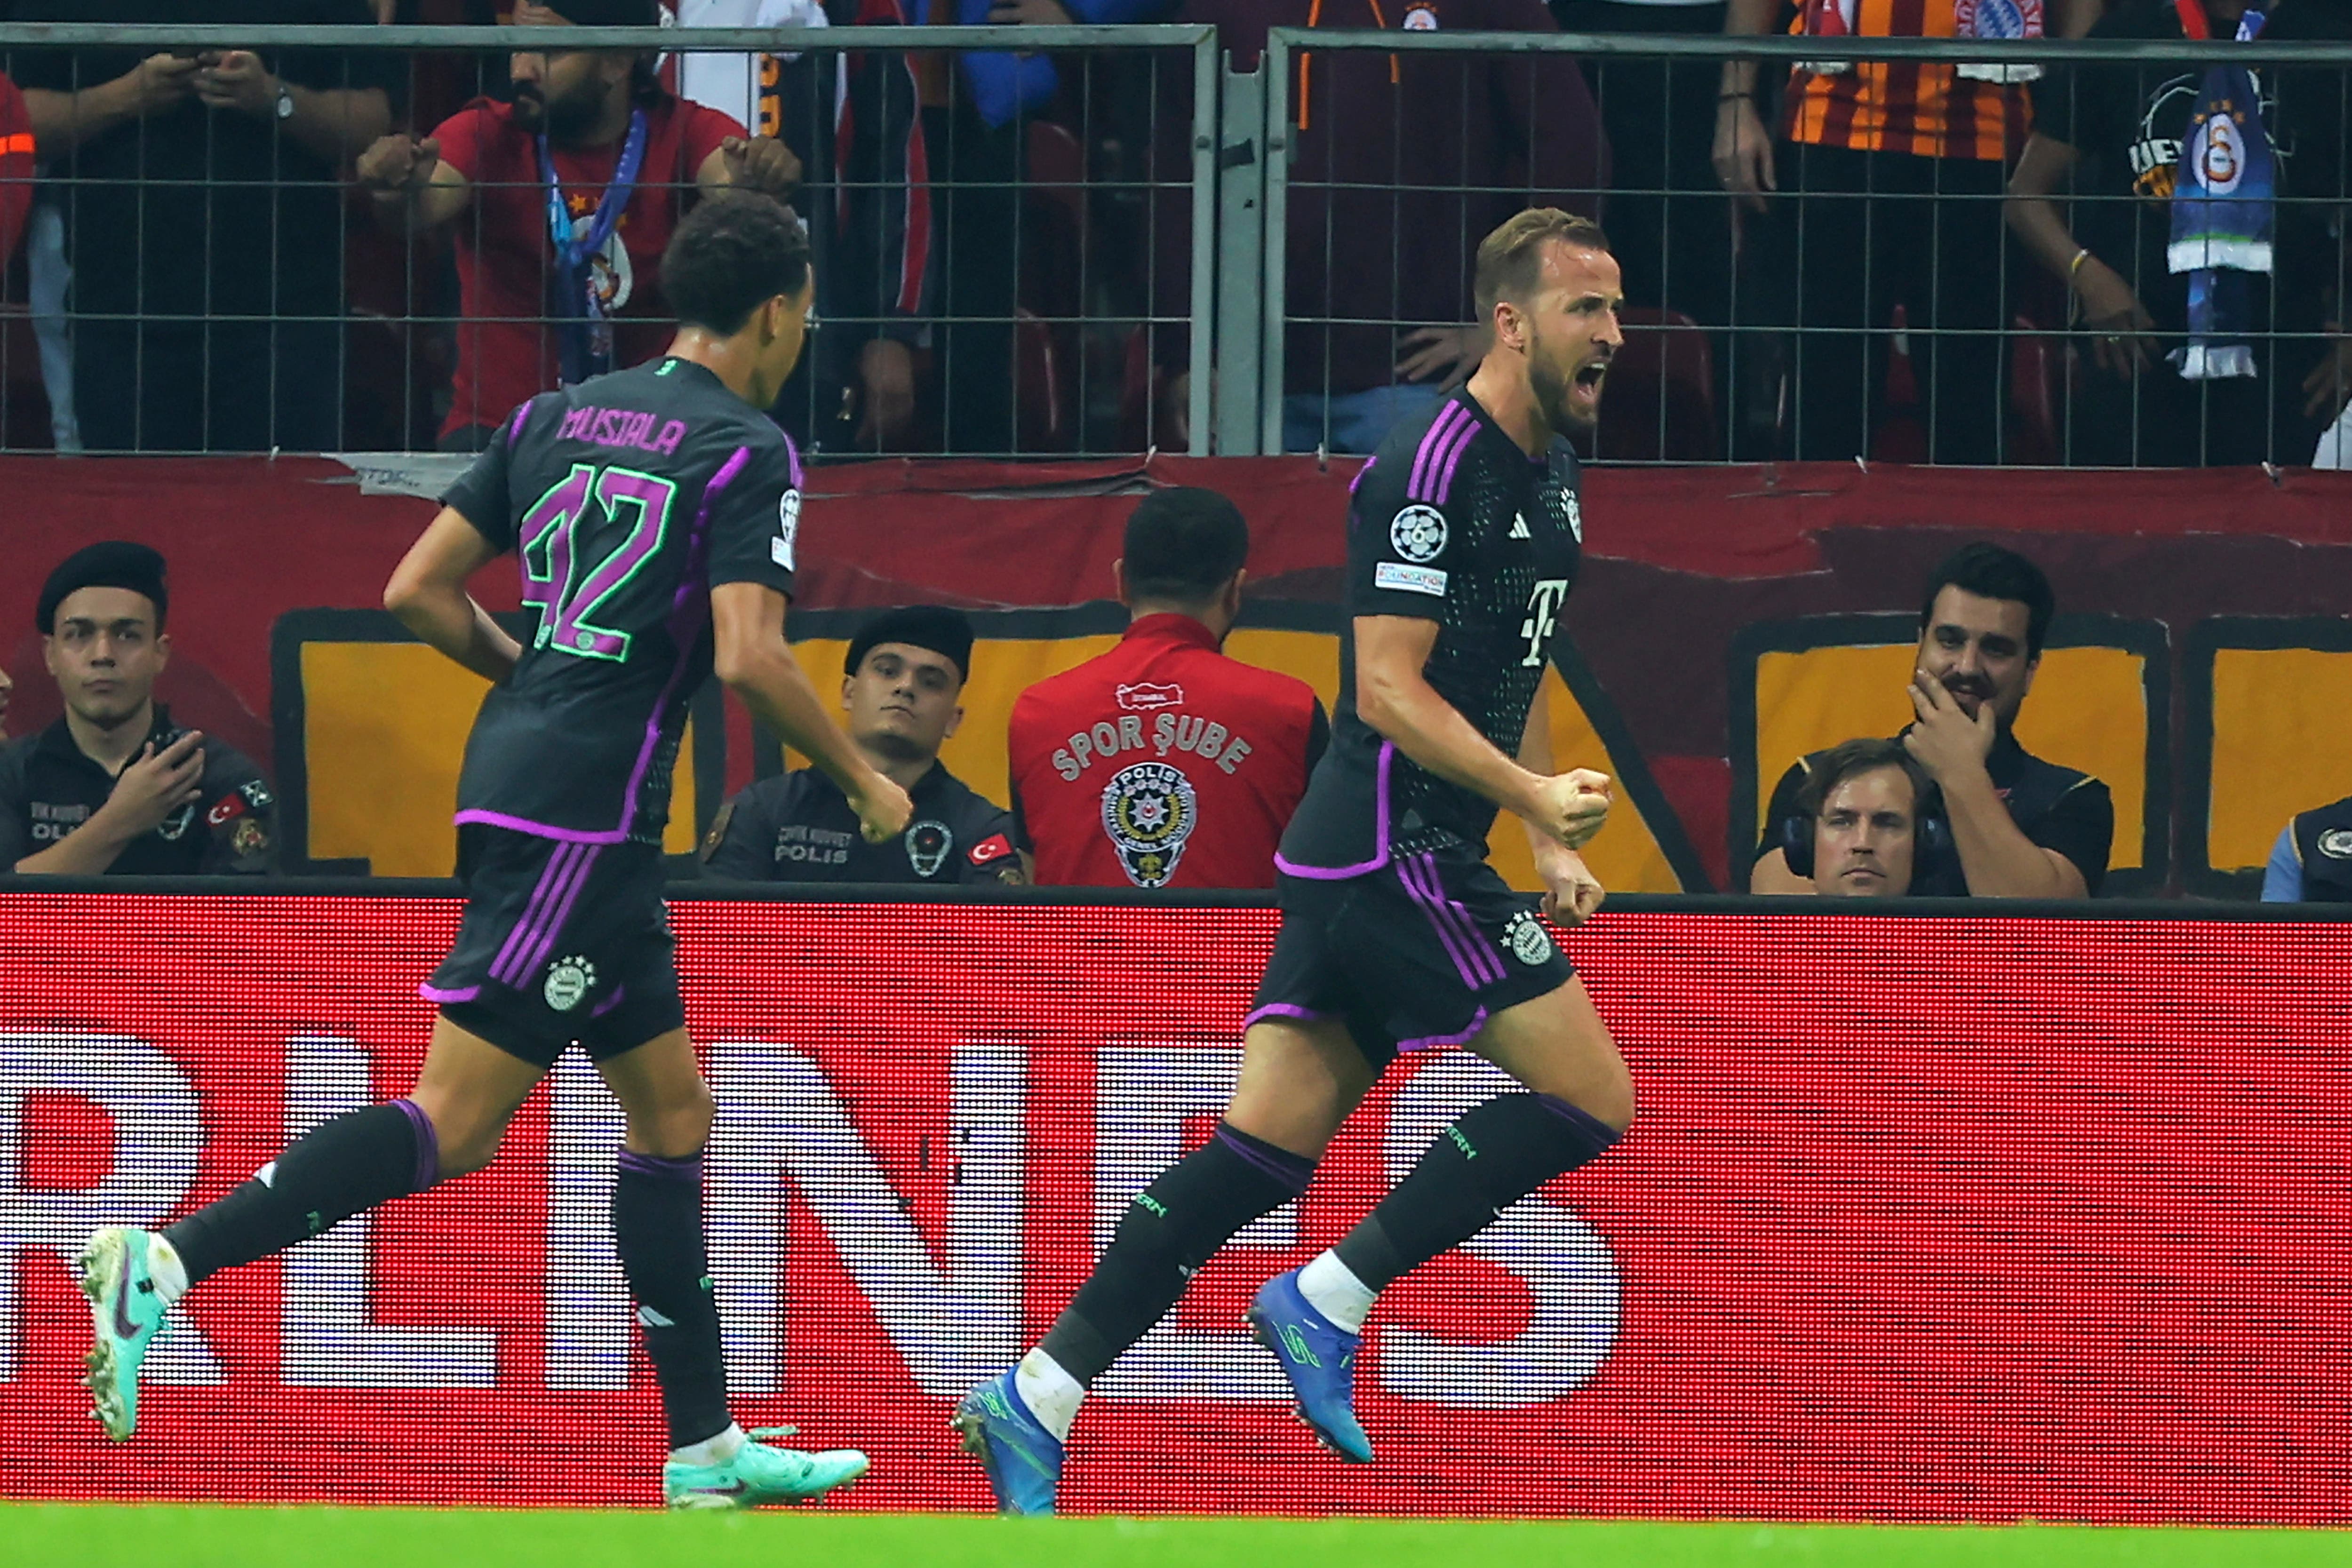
[(561, 942), (1419, 953)]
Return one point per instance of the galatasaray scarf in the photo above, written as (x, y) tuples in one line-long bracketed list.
[(1970, 19), (2222, 210)]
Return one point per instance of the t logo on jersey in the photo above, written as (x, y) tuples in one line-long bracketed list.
[(1543, 617)]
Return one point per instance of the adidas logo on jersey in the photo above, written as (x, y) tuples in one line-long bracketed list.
[(1519, 528)]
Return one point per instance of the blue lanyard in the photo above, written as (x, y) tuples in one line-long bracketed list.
[(582, 357)]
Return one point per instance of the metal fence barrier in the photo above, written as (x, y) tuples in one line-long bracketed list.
[(1147, 236)]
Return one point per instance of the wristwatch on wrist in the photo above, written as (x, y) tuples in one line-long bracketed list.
[(285, 101)]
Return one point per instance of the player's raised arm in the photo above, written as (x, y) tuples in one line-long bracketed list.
[(751, 657), (1394, 699), (427, 592)]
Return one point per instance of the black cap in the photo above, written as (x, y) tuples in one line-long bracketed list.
[(113, 563), (935, 627)]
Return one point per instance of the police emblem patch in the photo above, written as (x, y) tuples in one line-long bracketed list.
[(2336, 844), (1530, 942), (929, 843), (1418, 533), (1149, 810), (569, 981)]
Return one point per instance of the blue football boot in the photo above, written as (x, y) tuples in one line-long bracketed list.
[(1319, 1359)]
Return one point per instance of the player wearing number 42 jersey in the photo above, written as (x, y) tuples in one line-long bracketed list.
[(654, 515), (1463, 536)]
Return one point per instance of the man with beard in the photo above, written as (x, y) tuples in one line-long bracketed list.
[(114, 787), (570, 193), (1464, 541), (2021, 828), (902, 689)]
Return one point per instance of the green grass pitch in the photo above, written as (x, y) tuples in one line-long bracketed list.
[(41, 1536)]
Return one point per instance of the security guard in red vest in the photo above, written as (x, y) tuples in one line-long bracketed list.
[(1163, 763)]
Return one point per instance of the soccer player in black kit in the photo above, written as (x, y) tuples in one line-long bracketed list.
[(1463, 539), (653, 514)]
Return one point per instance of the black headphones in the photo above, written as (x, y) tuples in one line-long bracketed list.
[(1932, 852)]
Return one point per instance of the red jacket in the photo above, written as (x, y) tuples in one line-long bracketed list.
[(16, 167), (1162, 764)]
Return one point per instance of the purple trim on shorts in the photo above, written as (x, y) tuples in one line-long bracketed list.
[(1488, 960), (574, 880), (535, 913), (1583, 1121), (1295, 1172), (1444, 485), (1359, 475), (1432, 439), (1428, 1041), (1380, 833), (693, 585), (1464, 963), (521, 418), (433, 993), (539, 830), (689, 1169), (609, 1003), (428, 1145), (1283, 1010)]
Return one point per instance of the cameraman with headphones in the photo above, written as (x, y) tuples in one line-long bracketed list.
[(1869, 824), (2020, 827)]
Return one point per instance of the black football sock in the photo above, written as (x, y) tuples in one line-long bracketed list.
[(657, 1232), (1173, 1226), (1498, 1152), (339, 1168)]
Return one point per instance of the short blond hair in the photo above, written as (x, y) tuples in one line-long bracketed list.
[(1510, 260)]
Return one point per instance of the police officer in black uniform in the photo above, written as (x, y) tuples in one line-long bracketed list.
[(114, 787), (901, 688), (2020, 827), (2311, 861)]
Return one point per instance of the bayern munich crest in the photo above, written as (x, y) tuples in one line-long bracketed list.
[(1148, 811), (569, 981), (1530, 944), (1998, 19)]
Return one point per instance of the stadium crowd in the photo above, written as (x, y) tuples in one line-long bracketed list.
[(2019, 297)]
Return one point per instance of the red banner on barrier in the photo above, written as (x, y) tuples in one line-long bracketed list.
[(1924, 1219)]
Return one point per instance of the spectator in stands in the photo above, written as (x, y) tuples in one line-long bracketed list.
[(856, 121), (203, 218), (1163, 763), (2311, 861), (1866, 823), (2020, 827), (901, 687), (1398, 165), (2126, 126), (1894, 174), (16, 167), (627, 159), (114, 786)]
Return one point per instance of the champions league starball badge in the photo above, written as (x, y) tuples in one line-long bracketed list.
[(928, 845), (1148, 811)]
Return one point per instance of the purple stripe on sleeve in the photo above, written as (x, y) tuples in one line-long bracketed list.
[(693, 588), (1379, 832), (1359, 475), (428, 1146), (1408, 873), (1431, 441), (689, 1169), (519, 940), (1426, 1042), (539, 950), (433, 993), (521, 418), (1445, 484), (1293, 1172)]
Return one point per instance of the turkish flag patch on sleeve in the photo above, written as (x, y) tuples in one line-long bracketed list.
[(994, 847)]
